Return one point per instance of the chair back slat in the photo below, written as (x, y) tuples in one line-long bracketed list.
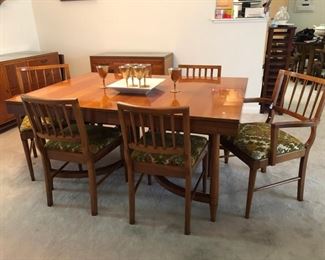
[(36, 77), (293, 91), (304, 99), (311, 90), (152, 130), (67, 120), (142, 125), (201, 71), (134, 128), (172, 124), (317, 97), (51, 120), (57, 120), (162, 131), (302, 92)]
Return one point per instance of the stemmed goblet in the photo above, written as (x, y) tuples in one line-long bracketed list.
[(139, 73), (126, 73), (175, 75), (102, 71), (147, 73)]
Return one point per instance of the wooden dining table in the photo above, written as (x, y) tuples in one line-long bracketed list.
[(215, 109)]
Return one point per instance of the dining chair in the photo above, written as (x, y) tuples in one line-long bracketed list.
[(29, 79), (164, 148), (260, 145), (201, 71), (61, 134), (204, 72)]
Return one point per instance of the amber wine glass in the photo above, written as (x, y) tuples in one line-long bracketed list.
[(139, 73), (102, 71), (175, 75), (147, 73), (126, 72)]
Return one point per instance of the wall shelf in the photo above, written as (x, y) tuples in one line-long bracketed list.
[(240, 20)]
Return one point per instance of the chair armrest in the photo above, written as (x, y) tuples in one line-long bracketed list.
[(275, 127), (289, 124), (258, 100)]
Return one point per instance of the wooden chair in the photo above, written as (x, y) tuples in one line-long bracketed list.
[(77, 142), (162, 150), (204, 72), (264, 144), (201, 71), (29, 79)]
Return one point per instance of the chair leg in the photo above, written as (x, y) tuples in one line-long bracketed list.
[(149, 180), (28, 159), (263, 169), (80, 167), (48, 180), (123, 160), (92, 187), (226, 154), (34, 148), (302, 175), (205, 167), (250, 191), (188, 201), (131, 195)]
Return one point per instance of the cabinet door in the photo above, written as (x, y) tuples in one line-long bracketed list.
[(4, 94), (13, 85)]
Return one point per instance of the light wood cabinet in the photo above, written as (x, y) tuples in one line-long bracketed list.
[(160, 61), (9, 86)]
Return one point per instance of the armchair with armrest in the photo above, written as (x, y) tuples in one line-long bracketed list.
[(265, 144)]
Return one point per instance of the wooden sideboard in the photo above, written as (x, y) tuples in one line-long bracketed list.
[(9, 86), (160, 61)]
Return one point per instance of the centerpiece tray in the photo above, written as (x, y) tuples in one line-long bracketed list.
[(122, 87)]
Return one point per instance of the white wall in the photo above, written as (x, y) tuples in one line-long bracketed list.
[(17, 27), (307, 20), (79, 29)]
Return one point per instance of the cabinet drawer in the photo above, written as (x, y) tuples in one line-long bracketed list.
[(44, 60)]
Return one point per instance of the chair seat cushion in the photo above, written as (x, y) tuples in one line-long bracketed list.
[(198, 143), (254, 139), (99, 137), (27, 126)]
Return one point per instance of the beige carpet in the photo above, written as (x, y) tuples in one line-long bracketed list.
[(280, 227)]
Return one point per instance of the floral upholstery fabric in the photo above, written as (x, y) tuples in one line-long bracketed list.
[(254, 139), (99, 137), (198, 143)]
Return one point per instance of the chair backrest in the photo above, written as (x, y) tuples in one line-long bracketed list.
[(57, 120), (304, 99), (201, 71), (159, 129), (36, 77)]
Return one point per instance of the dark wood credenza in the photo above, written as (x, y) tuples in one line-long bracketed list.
[(9, 86), (160, 61)]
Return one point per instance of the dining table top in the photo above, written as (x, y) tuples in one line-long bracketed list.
[(220, 98), (215, 109)]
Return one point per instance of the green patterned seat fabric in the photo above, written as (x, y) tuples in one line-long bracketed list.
[(254, 139), (99, 137), (197, 145)]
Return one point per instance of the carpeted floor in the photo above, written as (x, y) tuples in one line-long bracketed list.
[(280, 227)]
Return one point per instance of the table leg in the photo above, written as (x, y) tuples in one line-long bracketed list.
[(302, 61), (310, 61), (214, 174)]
